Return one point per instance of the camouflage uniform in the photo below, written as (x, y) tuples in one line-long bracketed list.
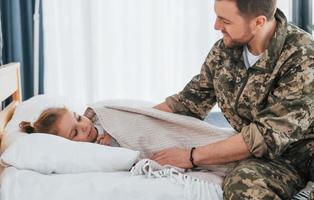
[(270, 104)]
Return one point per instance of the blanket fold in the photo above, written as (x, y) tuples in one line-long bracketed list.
[(149, 130), (194, 188)]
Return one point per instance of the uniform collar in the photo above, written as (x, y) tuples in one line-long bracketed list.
[(272, 53)]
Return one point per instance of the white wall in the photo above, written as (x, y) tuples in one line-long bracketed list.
[(139, 49), (134, 49)]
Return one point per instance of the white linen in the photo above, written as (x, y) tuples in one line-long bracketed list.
[(48, 154), (29, 185), (149, 130)]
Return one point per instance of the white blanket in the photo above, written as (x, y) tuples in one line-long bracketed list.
[(149, 130)]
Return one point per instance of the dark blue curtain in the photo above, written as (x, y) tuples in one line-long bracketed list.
[(302, 14), (17, 32)]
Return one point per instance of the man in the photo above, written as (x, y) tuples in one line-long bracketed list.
[(261, 74)]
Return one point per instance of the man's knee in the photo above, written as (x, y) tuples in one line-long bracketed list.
[(236, 188), (244, 182)]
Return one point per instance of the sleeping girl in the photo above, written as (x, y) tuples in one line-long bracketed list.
[(139, 128), (70, 125)]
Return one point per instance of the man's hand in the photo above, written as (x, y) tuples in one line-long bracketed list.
[(231, 149), (173, 156), (104, 139)]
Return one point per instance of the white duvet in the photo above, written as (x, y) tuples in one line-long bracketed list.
[(29, 185)]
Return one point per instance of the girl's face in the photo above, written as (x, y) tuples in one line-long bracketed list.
[(76, 127)]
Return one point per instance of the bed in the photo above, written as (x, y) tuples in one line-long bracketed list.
[(20, 181)]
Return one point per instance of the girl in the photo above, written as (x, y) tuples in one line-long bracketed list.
[(70, 125)]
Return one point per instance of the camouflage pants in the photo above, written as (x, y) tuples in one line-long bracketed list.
[(262, 179)]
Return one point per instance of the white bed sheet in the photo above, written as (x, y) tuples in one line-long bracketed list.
[(29, 185)]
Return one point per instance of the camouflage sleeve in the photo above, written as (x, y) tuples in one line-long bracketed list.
[(289, 115), (198, 96)]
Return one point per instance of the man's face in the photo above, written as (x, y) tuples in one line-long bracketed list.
[(236, 30)]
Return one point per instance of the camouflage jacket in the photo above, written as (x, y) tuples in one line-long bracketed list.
[(271, 103)]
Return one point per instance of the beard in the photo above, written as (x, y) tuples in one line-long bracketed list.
[(233, 43)]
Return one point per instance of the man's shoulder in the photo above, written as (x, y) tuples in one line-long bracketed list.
[(298, 39), (298, 47)]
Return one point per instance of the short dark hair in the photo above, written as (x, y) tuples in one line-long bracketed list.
[(254, 8)]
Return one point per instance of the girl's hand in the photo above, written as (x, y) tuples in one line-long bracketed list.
[(104, 139)]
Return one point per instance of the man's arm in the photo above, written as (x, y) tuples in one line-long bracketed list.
[(231, 149), (228, 150), (163, 107), (286, 119)]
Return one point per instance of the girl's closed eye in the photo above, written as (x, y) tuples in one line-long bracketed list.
[(75, 133)]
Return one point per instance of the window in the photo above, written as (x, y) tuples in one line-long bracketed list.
[(302, 14)]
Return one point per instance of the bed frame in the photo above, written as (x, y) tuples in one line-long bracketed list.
[(10, 86)]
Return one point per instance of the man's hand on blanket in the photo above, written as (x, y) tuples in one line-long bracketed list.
[(173, 156), (104, 139)]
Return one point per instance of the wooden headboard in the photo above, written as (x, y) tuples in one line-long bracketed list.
[(10, 86)]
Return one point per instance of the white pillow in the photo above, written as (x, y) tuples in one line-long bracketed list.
[(48, 154), (30, 110)]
